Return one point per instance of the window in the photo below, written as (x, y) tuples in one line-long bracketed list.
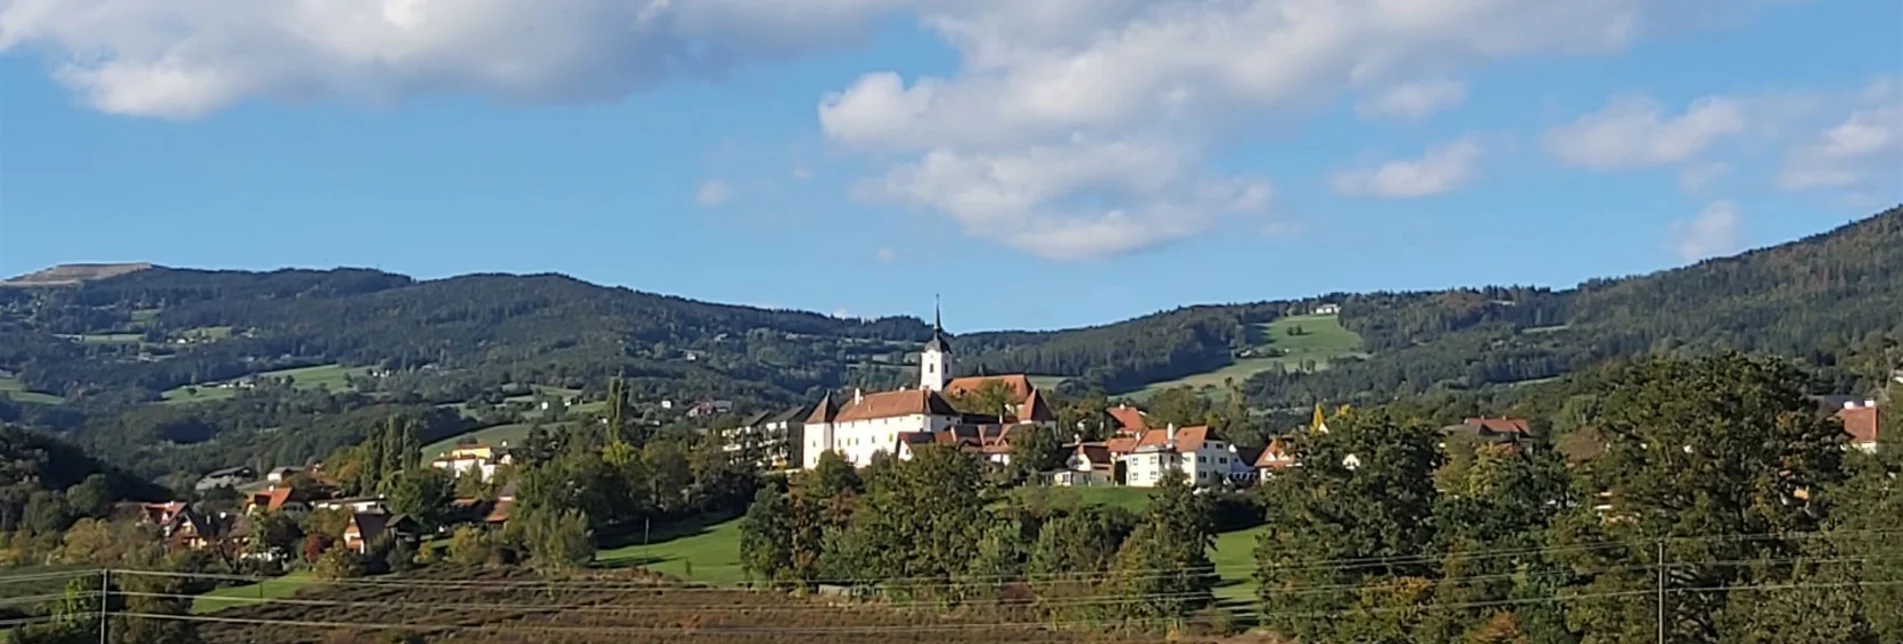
[(1202, 459), (1222, 460)]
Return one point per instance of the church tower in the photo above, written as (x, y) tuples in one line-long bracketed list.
[(934, 363)]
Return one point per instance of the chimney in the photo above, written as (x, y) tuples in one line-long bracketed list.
[(1870, 403), (858, 395)]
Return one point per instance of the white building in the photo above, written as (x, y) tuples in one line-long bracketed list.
[(476, 457), (1204, 461)]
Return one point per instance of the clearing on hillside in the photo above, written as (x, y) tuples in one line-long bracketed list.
[(12, 388), (512, 434), (334, 377), (1296, 343)]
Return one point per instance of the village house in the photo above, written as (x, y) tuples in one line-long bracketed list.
[(279, 475), (768, 440), (477, 458), (276, 499), (1204, 460), (1511, 432), (358, 504), (1861, 421), (1327, 309), (1273, 459), (365, 528), (1089, 465)]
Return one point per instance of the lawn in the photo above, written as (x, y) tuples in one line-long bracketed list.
[(1319, 340), (12, 388), (703, 553), (1234, 558), (512, 433), (333, 376), (108, 338), (229, 596)]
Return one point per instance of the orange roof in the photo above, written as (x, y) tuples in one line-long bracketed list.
[(1098, 453), (273, 499), (1129, 419), (1121, 444), (1861, 423), (1035, 410), (1275, 455), (1188, 439), (824, 411), (1019, 384), (500, 513), (893, 404), (1501, 425)]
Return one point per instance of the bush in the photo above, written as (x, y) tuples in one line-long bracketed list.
[(470, 546), (339, 563)]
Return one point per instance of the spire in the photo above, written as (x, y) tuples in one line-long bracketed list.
[(1318, 423), (938, 320)]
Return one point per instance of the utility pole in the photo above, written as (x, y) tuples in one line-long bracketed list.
[(1661, 591), (105, 594)]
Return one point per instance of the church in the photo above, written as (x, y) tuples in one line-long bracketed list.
[(864, 425)]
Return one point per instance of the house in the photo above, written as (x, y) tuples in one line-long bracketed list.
[(1089, 465), (190, 528), (1326, 309), (1512, 432), (282, 474), (473, 458), (709, 408), (504, 506), (1274, 458), (1861, 421), (225, 478), (768, 440), (354, 504), (275, 499), (1127, 420), (1027, 405), (1203, 459), (365, 528)]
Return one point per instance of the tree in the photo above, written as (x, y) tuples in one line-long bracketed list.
[(92, 497), (1034, 450), (992, 398), (925, 520), (1363, 492), (558, 540), (470, 546), (339, 563), (1695, 449), (1166, 560), (669, 475), (766, 537), (424, 494)]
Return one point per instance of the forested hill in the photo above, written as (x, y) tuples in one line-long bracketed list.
[(1826, 298)]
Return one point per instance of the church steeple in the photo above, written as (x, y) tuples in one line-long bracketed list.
[(934, 362)]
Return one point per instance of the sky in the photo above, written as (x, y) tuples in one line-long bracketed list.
[(1040, 164)]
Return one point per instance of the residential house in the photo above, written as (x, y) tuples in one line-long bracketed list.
[(1089, 465), (768, 440), (365, 528), (476, 458), (276, 499), (278, 475), (1273, 459), (190, 528), (1127, 420), (1861, 421), (1511, 432), (1326, 309), (1203, 459), (226, 478)]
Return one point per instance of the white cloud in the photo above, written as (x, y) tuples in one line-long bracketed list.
[(1045, 81), (885, 254), (1413, 101), (1443, 168), (1635, 131), (713, 192), (1693, 179), (1865, 147), (1712, 233)]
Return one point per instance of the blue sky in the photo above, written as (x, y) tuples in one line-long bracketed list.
[(1041, 165)]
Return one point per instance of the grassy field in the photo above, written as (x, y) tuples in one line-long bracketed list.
[(246, 595), (1234, 558), (1322, 340), (11, 388), (705, 553), (333, 376), (511, 433), (108, 338)]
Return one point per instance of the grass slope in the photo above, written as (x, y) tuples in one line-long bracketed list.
[(332, 376), (1321, 340), (248, 594), (705, 553), (12, 388), (512, 434)]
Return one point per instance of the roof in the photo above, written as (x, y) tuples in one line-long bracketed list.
[(1275, 455), (1861, 423), (1128, 418), (1501, 425), (938, 343), (1098, 453), (1034, 409), (500, 512), (272, 499), (892, 404), (823, 411), (1121, 445), (229, 471), (1188, 439), (756, 419), (795, 414), (1019, 384), (371, 525)]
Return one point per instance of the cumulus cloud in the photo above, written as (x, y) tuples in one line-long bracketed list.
[(1636, 131), (1413, 101), (1443, 168), (713, 192), (1864, 148), (1037, 82), (1694, 179), (1713, 232)]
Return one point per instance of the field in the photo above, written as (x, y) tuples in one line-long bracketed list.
[(514, 605), (332, 376), (248, 594), (703, 553), (11, 388), (108, 338), (512, 434), (1321, 340)]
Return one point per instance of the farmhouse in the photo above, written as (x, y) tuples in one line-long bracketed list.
[(473, 457), (1203, 459), (365, 528)]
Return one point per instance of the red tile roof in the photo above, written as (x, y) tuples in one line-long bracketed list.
[(1501, 425), (1121, 444), (1019, 384), (1861, 423), (1129, 419), (1275, 455), (1098, 453), (1188, 439), (1034, 409), (273, 499), (893, 404)]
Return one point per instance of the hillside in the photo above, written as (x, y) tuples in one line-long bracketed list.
[(177, 334)]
